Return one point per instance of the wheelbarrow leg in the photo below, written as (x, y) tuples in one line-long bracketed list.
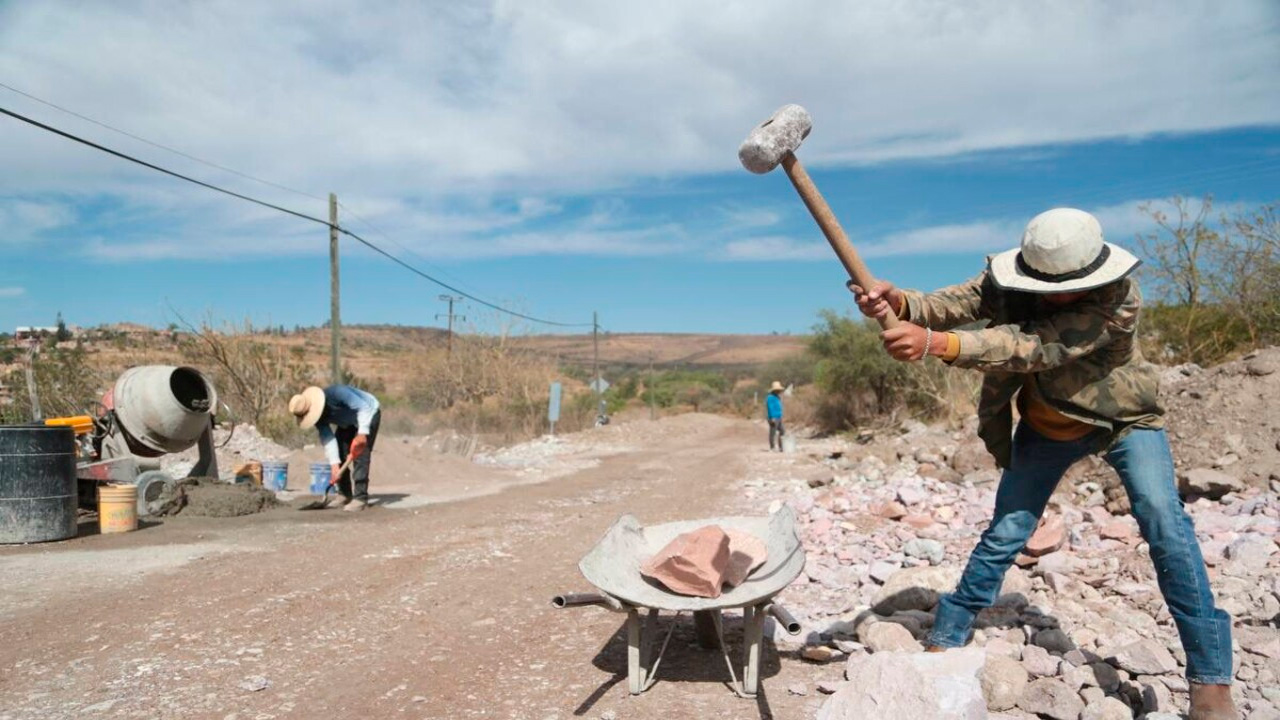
[(635, 666), (752, 636)]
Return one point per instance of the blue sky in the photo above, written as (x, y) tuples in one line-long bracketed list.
[(563, 157)]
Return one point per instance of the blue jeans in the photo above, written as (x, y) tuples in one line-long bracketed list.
[(1145, 466)]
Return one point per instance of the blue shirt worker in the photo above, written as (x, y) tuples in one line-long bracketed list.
[(773, 411), (347, 420)]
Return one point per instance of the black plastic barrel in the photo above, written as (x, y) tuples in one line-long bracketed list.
[(37, 483)]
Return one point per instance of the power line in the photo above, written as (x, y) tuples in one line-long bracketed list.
[(287, 211), (224, 168), (166, 148)]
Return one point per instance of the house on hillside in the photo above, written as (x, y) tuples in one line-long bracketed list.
[(26, 334)]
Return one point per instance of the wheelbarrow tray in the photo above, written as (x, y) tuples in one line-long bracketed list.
[(613, 565)]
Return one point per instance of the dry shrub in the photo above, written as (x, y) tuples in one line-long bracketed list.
[(489, 387), (254, 378)]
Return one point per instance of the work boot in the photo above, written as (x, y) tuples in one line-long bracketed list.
[(355, 506), (1212, 702)]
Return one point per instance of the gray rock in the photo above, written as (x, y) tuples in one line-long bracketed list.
[(887, 637), (1208, 482), (1098, 674), (939, 686), (914, 589), (1055, 641), (1145, 657), (1003, 679), (1108, 708), (930, 550), (798, 689), (1261, 366), (1051, 698)]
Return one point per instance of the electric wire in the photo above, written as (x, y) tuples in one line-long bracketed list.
[(161, 146), (287, 211)]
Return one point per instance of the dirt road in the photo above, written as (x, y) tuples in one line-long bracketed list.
[(408, 610)]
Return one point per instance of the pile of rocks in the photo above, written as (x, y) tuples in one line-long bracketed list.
[(1080, 629), (234, 446)]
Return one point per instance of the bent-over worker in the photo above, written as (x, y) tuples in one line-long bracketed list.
[(1062, 344), (773, 412), (356, 415)]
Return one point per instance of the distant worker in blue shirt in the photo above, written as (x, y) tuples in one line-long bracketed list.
[(773, 410), (356, 414)]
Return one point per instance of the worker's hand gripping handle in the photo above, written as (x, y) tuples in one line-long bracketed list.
[(826, 220)]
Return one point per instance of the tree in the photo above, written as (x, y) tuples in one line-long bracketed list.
[(62, 334)]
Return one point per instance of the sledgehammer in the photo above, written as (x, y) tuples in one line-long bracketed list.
[(774, 142)]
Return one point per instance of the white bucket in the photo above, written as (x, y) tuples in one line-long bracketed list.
[(788, 444)]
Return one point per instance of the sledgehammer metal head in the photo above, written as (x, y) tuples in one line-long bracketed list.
[(772, 139), (773, 143)]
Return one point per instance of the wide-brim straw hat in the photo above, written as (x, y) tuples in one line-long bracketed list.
[(1062, 251), (307, 406), (776, 387)]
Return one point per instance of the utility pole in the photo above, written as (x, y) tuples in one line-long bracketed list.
[(595, 350), (335, 314), (648, 386), (36, 414), (449, 338)]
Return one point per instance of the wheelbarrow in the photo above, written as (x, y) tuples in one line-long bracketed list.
[(613, 566)]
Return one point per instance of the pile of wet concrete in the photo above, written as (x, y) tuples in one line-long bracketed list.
[(210, 497)]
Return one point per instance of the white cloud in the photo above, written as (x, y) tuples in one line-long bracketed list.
[(12, 292), (774, 248), (1120, 222), (464, 121)]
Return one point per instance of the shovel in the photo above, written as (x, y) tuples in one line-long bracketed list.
[(323, 502)]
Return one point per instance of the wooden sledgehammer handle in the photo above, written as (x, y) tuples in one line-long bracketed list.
[(831, 228)]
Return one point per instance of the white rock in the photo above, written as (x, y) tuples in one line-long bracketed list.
[(1039, 662), (892, 686), (1108, 708), (887, 637), (1145, 657), (915, 589), (1003, 679)]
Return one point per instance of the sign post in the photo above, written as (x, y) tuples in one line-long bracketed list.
[(553, 408)]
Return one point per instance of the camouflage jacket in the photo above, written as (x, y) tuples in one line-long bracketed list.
[(1084, 357)]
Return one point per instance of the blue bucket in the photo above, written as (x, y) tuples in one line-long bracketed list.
[(275, 474), (321, 474)]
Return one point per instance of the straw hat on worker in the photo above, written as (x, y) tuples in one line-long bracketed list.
[(776, 387), (307, 406), (1062, 251)]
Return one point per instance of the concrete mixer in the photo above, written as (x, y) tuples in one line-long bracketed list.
[(151, 411)]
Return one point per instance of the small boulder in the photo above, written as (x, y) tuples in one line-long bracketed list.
[(888, 637), (930, 550), (914, 589), (1039, 662), (1052, 699), (1050, 536), (1208, 482), (884, 686), (1108, 708), (1144, 657), (1003, 679)]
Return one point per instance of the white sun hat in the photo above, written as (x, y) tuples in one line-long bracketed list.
[(307, 406), (1062, 251)]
